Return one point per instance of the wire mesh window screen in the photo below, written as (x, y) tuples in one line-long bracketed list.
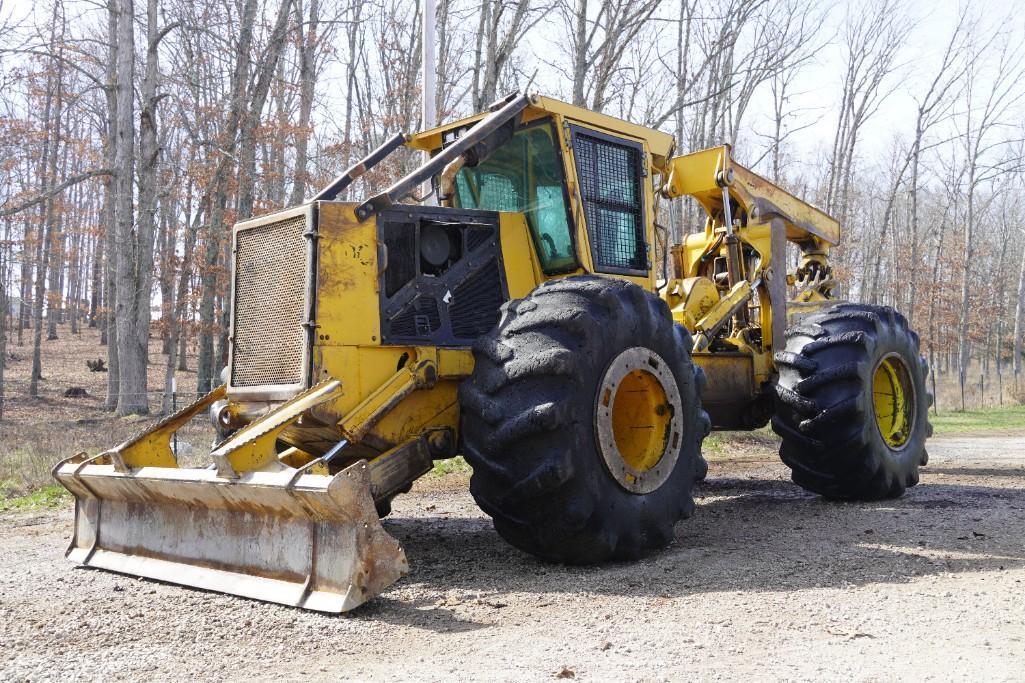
[(609, 174)]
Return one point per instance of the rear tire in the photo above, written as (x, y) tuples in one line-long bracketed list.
[(852, 405), (532, 422)]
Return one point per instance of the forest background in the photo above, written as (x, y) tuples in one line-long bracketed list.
[(135, 133)]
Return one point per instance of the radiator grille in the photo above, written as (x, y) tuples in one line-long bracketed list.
[(475, 302), (420, 318), (269, 306)]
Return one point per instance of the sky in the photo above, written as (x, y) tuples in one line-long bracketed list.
[(921, 57)]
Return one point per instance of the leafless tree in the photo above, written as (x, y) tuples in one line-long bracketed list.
[(989, 100), (1019, 320), (502, 25), (872, 38), (53, 114), (119, 183), (599, 37)]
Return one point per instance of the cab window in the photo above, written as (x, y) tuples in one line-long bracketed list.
[(526, 175)]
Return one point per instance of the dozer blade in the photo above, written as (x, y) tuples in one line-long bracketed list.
[(312, 541), (297, 537)]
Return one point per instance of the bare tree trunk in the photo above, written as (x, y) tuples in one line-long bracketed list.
[(963, 348), (52, 116), (478, 50), (932, 315), (307, 85), (1019, 323), (182, 301), (25, 290), (914, 228), (30, 235), (55, 259), (352, 36), (4, 307), (147, 179), (779, 100), (166, 242), (96, 275), (580, 45), (110, 213), (132, 396), (995, 332), (183, 337), (441, 23), (178, 317), (683, 36), (76, 264)]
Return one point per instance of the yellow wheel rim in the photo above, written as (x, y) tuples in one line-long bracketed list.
[(640, 417), (893, 400), (639, 420)]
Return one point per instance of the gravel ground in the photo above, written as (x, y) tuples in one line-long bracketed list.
[(765, 581)]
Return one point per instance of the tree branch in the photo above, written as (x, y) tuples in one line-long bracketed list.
[(73, 180)]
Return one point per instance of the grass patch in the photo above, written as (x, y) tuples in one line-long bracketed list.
[(725, 444), (716, 443), (24, 470), (985, 420), (454, 465), (45, 498)]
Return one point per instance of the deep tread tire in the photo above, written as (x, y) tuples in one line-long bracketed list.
[(824, 409), (528, 422)]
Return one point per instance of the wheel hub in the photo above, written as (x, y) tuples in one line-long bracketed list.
[(893, 401), (639, 420)]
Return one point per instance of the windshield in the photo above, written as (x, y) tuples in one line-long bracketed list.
[(525, 175)]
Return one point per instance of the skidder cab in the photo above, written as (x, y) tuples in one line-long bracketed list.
[(534, 322)]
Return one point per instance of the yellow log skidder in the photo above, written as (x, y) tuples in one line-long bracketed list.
[(530, 323)]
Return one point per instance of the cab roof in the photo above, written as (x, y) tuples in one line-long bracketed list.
[(659, 144)]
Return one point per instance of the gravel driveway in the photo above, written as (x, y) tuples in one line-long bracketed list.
[(765, 581)]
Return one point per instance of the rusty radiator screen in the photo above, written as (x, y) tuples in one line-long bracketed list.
[(269, 306)]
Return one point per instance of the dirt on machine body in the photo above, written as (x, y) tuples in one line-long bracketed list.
[(537, 322)]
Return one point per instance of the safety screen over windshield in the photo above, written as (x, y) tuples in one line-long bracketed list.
[(525, 175), (610, 186)]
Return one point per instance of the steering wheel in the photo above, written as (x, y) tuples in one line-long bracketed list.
[(547, 239)]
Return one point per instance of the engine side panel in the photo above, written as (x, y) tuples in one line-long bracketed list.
[(443, 280), (368, 273)]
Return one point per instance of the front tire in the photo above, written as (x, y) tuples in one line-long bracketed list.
[(852, 405), (582, 422)]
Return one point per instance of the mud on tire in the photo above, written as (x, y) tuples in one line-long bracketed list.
[(825, 411), (528, 422)]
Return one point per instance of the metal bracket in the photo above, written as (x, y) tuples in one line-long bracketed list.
[(152, 447), (721, 313), (254, 446), (419, 375)]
